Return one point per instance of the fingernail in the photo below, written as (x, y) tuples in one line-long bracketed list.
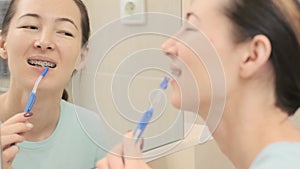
[(29, 125), (29, 114), (129, 134), (123, 160), (142, 144)]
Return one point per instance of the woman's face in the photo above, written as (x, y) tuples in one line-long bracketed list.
[(43, 33), (207, 18)]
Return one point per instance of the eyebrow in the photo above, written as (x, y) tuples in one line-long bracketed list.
[(57, 20), (67, 20), (30, 15)]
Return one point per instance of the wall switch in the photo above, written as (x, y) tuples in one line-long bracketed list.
[(133, 12)]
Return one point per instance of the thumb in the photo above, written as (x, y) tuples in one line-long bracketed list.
[(133, 153), (131, 149)]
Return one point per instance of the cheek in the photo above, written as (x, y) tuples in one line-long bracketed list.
[(196, 85), (187, 89), (70, 55), (15, 53), (15, 47)]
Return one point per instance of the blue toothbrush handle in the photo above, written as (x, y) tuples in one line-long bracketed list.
[(30, 102), (140, 128)]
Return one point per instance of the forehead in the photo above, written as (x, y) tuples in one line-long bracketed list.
[(208, 6), (50, 9)]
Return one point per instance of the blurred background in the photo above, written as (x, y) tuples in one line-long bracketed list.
[(4, 73)]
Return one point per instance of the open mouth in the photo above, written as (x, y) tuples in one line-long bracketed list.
[(41, 63), (176, 72)]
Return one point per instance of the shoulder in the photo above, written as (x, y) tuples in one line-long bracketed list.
[(278, 155)]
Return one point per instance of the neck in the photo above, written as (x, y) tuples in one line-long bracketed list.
[(46, 111), (251, 122)]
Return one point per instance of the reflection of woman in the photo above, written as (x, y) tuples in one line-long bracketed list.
[(35, 33), (258, 43)]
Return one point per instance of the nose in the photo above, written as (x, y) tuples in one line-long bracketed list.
[(43, 45), (44, 42), (170, 47)]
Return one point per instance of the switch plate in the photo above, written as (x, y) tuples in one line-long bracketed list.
[(132, 12)]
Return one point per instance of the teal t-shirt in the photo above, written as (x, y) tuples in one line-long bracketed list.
[(282, 155), (69, 147)]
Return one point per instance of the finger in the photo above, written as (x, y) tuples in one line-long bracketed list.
[(136, 163), (103, 164), (141, 144), (131, 148), (15, 119), (16, 128), (10, 153), (115, 157), (133, 152), (6, 141)]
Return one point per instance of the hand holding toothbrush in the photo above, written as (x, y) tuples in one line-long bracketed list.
[(12, 130), (128, 154)]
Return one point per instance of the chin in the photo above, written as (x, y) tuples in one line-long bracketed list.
[(176, 101)]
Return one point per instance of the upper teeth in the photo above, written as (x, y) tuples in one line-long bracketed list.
[(42, 63)]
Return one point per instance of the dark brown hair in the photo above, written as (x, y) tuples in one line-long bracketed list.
[(85, 23), (65, 95), (279, 20)]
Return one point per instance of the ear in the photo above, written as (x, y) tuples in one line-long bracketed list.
[(256, 57), (81, 62), (3, 53)]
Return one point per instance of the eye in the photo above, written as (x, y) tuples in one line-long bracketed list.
[(190, 28), (31, 27), (65, 33)]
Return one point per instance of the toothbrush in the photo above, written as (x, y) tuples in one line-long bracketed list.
[(32, 95), (140, 128)]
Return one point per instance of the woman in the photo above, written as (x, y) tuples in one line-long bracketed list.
[(258, 44), (35, 34)]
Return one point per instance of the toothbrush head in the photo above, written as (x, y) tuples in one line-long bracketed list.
[(45, 71)]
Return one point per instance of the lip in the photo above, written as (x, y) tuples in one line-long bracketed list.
[(172, 81), (39, 69), (175, 69)]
